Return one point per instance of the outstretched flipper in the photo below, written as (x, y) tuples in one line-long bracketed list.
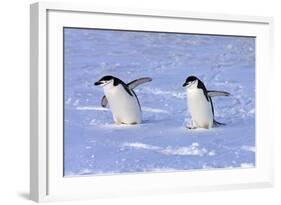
[(214, 93), (131, 85)]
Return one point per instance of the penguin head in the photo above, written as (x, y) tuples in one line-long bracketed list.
[(191, 82), (107, 80)]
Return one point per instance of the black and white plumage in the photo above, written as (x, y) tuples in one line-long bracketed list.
[(122, 100), (131, 85), (200, 103)]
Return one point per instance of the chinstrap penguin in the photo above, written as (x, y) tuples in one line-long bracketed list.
[(200, 105), (121, 98)]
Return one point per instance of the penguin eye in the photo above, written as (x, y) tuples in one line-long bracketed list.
[(190, 83), (105, 81)]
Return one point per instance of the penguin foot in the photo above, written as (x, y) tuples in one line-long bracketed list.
[(190, 127)]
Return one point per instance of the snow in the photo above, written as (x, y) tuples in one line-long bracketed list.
[(190, 150), (193, 149), (92, 108), (247, 165), (138, 145), (154, 110), (93, 144), (248, 148)]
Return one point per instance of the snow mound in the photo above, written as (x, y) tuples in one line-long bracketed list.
[(248, 148), (154, 110), (247, 165), (139, 145), (91, 108)]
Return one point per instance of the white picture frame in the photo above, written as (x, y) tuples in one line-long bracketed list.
[(46, 143)]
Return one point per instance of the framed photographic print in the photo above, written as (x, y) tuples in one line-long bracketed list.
[(129, 102)]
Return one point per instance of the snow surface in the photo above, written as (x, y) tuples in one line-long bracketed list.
[(95, 145)]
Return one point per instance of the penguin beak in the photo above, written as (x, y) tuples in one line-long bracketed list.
[(98, 83), (185, 84)]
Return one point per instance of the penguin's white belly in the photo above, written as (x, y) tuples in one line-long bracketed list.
[(200, 109), (124, 107)]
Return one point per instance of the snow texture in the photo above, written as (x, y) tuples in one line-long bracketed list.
[(93, 144)]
